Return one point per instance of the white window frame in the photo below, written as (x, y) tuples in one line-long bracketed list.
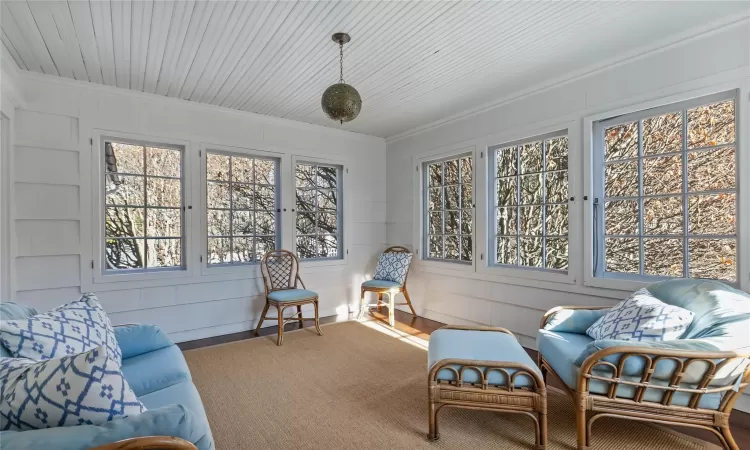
[(702, 95), (98, 203), (236, 268), (420, 211), (290, 200)]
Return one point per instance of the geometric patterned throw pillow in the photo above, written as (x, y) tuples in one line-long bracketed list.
[(642, 317), (393, 267), (69, 329), (83, 389)]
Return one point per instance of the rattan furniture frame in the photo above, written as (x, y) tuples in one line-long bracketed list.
[(280, 270), (390, 292), (484, 396), (591, 407), (149, 443)]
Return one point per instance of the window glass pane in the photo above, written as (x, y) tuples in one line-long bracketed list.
[(466, 248), (466, 170), (711, 125), (218, 222), (436, 246), (712, 214), (531, 157), (622, 255), (711, 170), (507, 223), (124, 190), (713, 258), (557, 220), (621, 217), (163, 192), (436, 222), (243, 196), (621, 142), (124, 253), (557, 153), (466, 197), (466, 222), (242, 169), (164, 252), (451, 171), (662, 175), (218, 250), (662, 215), (451, 247), (265, 173), (531, 252), (507, 250), (264, 245), (531, 189), (243, 223), (506, 191), (435, 173), (557, 253), (621, 180), (163, 162), (217, 167), (531, 220), (123, 222), (318, 211), (124, 158), (662, 134), (451, 197), (663, 257), (164, 223), (265, 222), (242, 250), (451, 222), (506, 162), (265, 197), (557, 186)]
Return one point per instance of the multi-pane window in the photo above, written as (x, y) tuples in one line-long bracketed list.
[(449, 209), (318, 213), (669, 192), (143, 206), (530, 217), (242, 205)]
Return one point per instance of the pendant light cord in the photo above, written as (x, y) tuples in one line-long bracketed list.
[(341, 62)]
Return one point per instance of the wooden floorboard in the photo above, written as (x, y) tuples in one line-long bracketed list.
[(422, 328)]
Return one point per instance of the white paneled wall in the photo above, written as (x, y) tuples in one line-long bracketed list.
[(474, 297), (52, 212)]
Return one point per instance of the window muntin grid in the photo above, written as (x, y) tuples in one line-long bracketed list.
[(319, 212)]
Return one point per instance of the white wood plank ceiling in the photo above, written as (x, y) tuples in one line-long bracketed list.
[(413, 62)]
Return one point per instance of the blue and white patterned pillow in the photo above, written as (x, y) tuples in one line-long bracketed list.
[(642, 317), (83, 389), (393, 267), (69, 329)]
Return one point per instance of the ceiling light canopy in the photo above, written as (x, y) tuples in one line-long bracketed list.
[(341, 101)]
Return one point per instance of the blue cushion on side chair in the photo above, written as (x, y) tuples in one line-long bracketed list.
[(381, 284), (291, 295), (479, 346)]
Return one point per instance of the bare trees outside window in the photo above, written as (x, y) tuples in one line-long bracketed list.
[(241, 200), (318, 211), (669, 193), (531, 203), (143, 223), (449, 209)]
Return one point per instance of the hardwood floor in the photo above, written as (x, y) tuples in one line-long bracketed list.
[(422, 328)]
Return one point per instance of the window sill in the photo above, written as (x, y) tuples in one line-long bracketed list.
[(456, 266)]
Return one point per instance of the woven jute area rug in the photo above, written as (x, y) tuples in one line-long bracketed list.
[(362, 386)]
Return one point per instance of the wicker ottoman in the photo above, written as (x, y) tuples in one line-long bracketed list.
[(484, 368)]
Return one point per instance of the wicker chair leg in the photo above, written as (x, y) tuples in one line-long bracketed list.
[(408, 300), (280, 337), (362, 306), (299, 314), (730, 442), (391, 309), (262, 318), (433, 435), (317, 318), (581, 432), (380, 302), (542, 444)]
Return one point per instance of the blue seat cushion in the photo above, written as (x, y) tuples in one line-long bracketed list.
[(136, 340), (561, 351), (172, 420), (479, 346), (184, 394), (291, 295), (155, 370), (381, 284)]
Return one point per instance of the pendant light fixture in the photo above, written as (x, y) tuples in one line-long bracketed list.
[(341, 101)]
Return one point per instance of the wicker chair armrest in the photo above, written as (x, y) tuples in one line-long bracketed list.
[(551, 313), (149, 443), (488, 366)]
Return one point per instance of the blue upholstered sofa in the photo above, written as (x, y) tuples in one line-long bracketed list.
[(692, 381), (158, 374)]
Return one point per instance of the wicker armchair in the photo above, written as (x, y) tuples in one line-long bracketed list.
[(671, 386), (149, 443)]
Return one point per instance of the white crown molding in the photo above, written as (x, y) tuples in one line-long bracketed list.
[(635, 55), (39, 77)]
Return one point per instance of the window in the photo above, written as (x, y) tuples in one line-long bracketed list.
[(143, 212), (530, 217), (449, 209), (318, 215), (241, 206), (667, 180)]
